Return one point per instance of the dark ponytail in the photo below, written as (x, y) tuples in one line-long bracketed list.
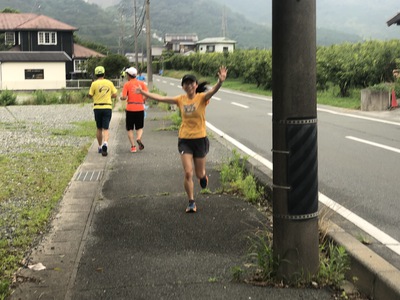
[(202, 87)]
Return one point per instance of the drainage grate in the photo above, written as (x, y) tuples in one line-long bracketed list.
[(89, 176)]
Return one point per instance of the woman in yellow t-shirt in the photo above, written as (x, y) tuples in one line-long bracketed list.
[(193, 143)]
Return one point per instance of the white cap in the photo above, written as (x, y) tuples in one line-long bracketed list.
[(131, 71)]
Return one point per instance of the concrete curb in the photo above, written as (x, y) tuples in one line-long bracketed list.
[(375, 277)]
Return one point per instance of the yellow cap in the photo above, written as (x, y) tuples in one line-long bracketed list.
[(99, 70)]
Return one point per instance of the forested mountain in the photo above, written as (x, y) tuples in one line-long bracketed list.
[(365, 18), (203, 17)]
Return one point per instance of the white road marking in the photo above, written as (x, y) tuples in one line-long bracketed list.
[(216, 98), (242, 147), (378, 234), (373, 144), (240, 105), (358, 117), (265, 98)]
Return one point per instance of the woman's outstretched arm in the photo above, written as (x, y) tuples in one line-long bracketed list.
[(156, 97)]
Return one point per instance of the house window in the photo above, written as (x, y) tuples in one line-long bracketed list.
[(47, 38), (34, 74), (79, 65), (10, 38), (175, 47), (210, 48), (225, 49)]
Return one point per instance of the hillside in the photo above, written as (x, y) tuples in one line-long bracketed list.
[(363, 18), (203, 17)]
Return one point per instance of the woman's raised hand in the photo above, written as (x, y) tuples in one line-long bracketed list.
[(222, 73)]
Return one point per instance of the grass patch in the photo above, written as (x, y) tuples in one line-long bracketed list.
[(330, 97), (33, 189), (41, 97), (31, 185), (83, 129)]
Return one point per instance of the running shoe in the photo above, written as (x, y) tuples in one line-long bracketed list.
[(133, 149), (99, 150), (141, 146), (204, 182), (104, 150), (191, 208)]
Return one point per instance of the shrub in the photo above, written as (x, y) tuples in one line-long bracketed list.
[(40, 97), (7, 98)]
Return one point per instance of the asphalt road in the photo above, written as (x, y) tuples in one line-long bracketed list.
[(358, 157)]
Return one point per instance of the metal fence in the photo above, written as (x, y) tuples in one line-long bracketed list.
[(85, 83)]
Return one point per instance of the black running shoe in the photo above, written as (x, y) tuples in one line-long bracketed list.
[(204, 182), (104, 150), (141, 146), (191, 208)]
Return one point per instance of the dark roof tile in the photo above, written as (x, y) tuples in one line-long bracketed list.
[(15, 56)]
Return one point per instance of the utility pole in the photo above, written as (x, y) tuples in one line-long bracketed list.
[(148, 42), (136, 34), (295, 173), (224, 22)]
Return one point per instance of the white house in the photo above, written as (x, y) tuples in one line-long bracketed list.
[(216, 44), (32, 70)]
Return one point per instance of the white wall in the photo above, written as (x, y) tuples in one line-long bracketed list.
[(12, 76), (218, 47)]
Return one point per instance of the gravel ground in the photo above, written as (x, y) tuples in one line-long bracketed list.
[(24, 126)]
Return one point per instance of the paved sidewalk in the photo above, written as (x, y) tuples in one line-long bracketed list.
[(122, 232)]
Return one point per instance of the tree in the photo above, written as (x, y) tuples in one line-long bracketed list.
[(113, 64), (10, 10), (91, 45)]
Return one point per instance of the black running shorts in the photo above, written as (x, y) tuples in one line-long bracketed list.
[(102, 118), (134, 120), (197, 147)]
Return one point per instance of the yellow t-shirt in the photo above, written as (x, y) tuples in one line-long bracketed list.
[(193, 113), (101, 91)]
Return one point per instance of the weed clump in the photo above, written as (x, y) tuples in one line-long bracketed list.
[(7, 98), (235, 179)]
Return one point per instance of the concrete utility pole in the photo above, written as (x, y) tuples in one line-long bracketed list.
[(148, 42), (295, 173)]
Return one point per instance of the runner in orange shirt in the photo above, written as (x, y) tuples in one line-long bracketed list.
[(134, 108)]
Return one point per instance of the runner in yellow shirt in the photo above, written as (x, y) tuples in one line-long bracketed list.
[(102, 91), (193, 144)]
